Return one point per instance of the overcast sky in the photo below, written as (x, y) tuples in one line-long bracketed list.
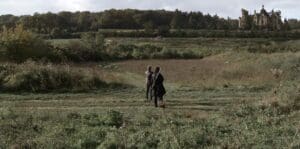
[(224, 8)]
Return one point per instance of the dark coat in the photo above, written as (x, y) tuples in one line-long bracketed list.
[(158, 86)]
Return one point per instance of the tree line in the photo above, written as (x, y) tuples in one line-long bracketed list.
[(71, 22), (294, 23)]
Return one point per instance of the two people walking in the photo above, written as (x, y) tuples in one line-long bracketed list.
[(155, 89)]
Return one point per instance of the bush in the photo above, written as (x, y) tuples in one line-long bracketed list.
[(163, 30), (122, 51), (93, 41), (59, 33), (167, 53), (187, 54), (19, 45), (146, 51), (75, 52), (34, 77), (90, 48)]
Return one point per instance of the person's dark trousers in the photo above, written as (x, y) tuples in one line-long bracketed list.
[(156, 99), (148, 92)]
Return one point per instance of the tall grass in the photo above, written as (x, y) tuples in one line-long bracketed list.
[(38, 77), (240, 126), (149, 51)]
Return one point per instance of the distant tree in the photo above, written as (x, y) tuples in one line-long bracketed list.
[(294, 23), (65, 21), (59, 33), (84, 21), (286, 25), (8, 21), (193, 21), (72, 22), (177, 20), (232, 24), (210, 21)]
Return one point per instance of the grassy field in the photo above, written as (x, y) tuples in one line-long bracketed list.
[(180, 43), (205, 46), (229, 100)]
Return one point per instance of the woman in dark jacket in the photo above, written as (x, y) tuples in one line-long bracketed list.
[(158, 87), (149, 74)]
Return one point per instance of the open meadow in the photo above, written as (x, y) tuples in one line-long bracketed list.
[(230, 98), (77, 74)]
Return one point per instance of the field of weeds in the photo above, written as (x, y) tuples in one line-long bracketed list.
[(230, 100)]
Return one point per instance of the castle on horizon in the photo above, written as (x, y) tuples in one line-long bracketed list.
[(261, 21)]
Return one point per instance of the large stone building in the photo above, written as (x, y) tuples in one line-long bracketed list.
[(263, 20)]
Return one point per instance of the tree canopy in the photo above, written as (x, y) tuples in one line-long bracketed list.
[(71, 22)]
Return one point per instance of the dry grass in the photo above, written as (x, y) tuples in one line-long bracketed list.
[(217, 70), (192, 115)]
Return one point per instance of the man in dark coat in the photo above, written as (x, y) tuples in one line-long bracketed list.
[(158, 87)]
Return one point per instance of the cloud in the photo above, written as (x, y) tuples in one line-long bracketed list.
[(72, 5), (21, 7), (223, 8)]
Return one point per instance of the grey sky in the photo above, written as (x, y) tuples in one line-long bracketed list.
[(224, 8)]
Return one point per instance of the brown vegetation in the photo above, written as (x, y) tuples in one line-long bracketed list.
[(217, 70)]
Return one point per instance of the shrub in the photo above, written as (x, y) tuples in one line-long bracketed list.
[(146, 51), (167, 53), (94, 41), (122, 51), (19, 44), (187, 54), (59, 33), (163, 30), (75, 52), (34, 77)]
